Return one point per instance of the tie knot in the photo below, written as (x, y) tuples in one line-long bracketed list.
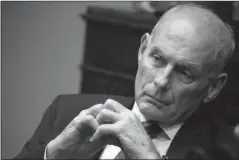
[(153, 129)]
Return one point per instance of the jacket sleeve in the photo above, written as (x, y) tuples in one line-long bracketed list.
[(35, 147)]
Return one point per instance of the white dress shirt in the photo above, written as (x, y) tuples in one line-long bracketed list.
[(161, 143)]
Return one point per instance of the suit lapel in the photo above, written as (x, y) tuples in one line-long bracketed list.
[(195, 133)]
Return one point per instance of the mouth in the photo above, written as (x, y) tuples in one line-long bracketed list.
[(155, 101)]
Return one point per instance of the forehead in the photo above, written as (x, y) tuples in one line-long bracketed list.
[(179, 41)]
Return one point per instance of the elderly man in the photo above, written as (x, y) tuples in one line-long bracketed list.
[(180, 67)]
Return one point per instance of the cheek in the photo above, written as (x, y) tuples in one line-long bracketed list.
[(144, 76), (187, 98), (193, 91)]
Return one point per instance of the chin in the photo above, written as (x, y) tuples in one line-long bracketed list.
[(152, 112)]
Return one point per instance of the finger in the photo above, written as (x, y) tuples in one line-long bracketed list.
[(94, 110), (87, 126), (92, 147), (91, 122), (107, 116), (114, 106), (104, 130), (87, 121)]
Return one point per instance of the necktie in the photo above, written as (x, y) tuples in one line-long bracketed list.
[(153, 130)]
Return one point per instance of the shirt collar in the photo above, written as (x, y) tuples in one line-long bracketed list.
[(171, 130)]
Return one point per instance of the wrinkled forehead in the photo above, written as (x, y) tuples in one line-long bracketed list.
[(180, 40), (179, 31), (184, 33)]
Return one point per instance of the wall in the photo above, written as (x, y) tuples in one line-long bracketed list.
[(42, 46)]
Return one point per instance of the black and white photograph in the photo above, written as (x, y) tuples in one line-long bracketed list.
[(120, 80)]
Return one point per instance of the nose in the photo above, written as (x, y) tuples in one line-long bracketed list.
[(162, 78)]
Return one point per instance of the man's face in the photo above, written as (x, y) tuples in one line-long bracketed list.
[(171, 81)]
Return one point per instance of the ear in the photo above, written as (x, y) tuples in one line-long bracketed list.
[(215, 87), (143, 45)]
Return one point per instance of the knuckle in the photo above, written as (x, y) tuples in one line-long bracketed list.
[(108, 101), (97, 106), (83, 113), (104, 111), (100, 104), (75, 121), (88, 118)]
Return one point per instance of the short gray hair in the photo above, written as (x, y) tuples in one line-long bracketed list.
[(223, 37)]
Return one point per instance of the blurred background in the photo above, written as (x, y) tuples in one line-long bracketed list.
[(52, 48)]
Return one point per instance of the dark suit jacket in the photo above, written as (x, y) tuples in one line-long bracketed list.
[(200, 130)]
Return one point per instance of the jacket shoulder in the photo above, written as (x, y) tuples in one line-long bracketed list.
[(226, 140)]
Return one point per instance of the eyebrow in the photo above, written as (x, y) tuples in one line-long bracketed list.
[(184, 64), (189, 66)]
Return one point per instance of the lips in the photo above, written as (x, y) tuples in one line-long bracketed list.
[(155, 101)]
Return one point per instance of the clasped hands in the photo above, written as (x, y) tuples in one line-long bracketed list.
[(102, 124)]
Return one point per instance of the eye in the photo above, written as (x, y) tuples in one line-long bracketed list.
[(186, 76), (157, 59)]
